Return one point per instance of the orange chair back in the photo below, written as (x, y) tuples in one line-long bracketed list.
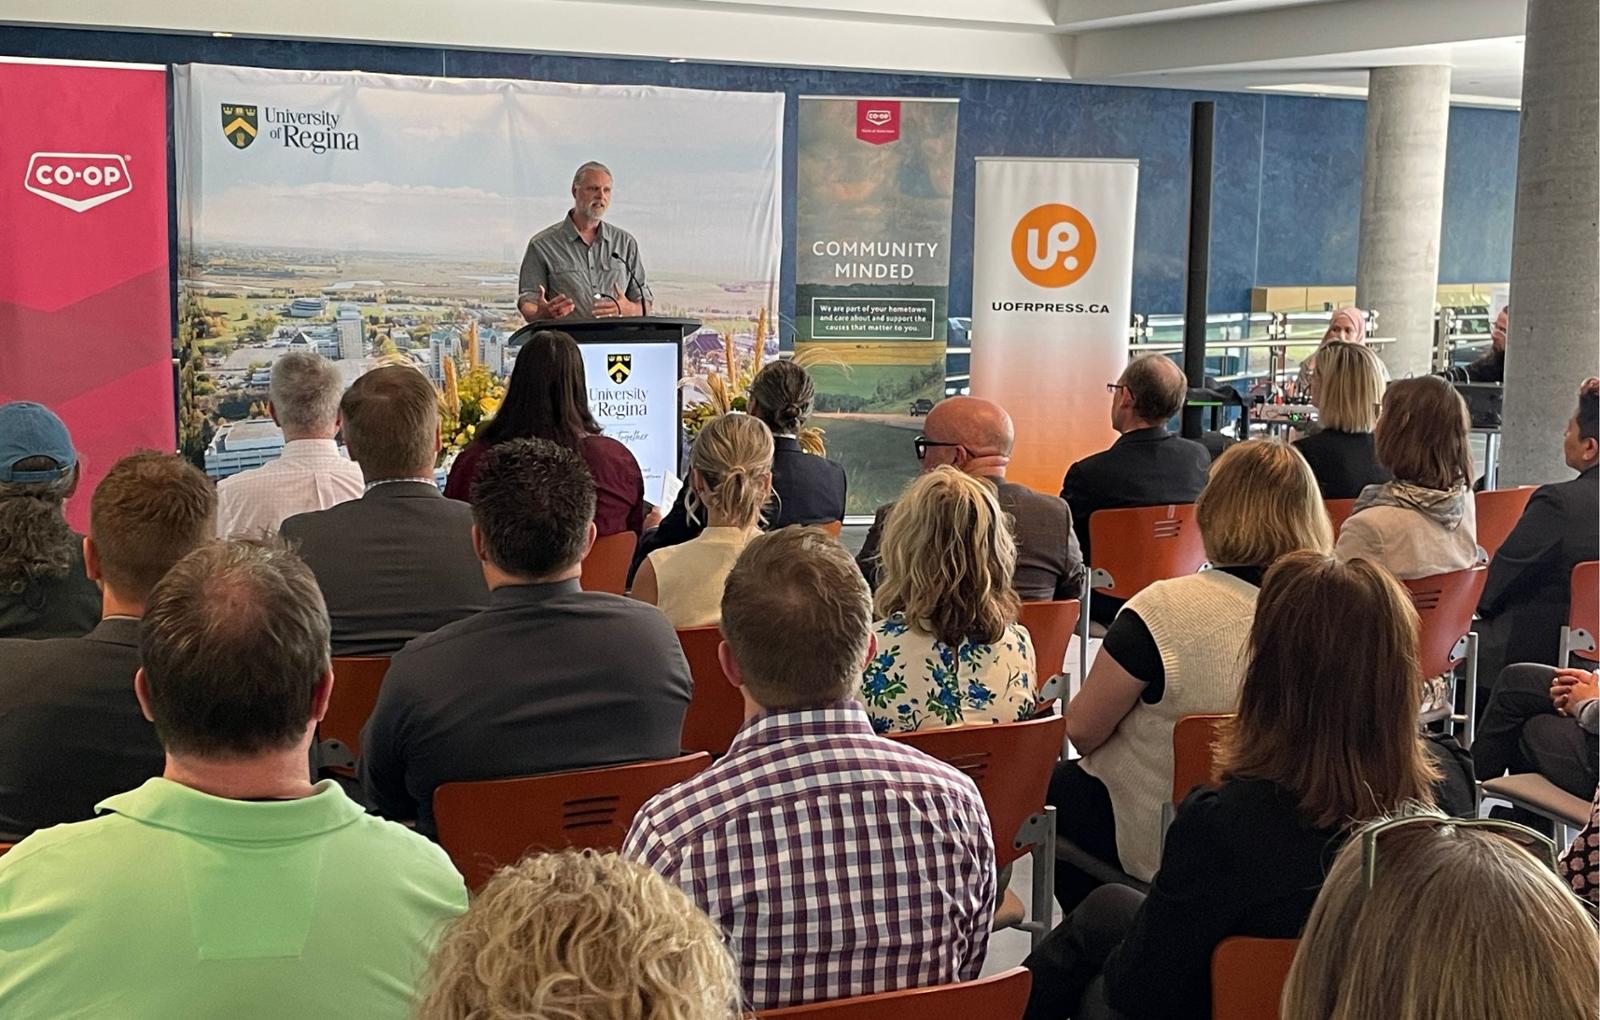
[(1050, 625), (1585, 612), (1498, 511), (606, 566), (832, 527), (1010, 763), (356, 681), (487, 824), (1445, 604), (716, 710), (1193, 749), (1247, 977), (1339, 511), (4, 847), (1138, 546), (1001, 997)]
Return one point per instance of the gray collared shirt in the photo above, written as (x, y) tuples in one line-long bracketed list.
[(559, 261)]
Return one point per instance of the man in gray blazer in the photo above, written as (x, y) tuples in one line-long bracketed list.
[(71, 732), (976, 436), (398, 562)]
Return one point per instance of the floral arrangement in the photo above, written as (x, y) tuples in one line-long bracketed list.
[(465, 402), (729, 390)]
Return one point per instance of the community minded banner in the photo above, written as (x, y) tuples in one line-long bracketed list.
[(1052, 286), (872, 273), (85, 302), (369, 216)]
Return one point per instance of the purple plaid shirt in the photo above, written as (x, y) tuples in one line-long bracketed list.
[(836, 861)]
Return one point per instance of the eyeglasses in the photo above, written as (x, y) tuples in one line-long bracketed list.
[(922, 444), (1539, 845), (1112, 387)]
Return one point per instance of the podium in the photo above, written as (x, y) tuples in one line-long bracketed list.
[(632, 365)]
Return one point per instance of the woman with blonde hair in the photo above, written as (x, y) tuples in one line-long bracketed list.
[(730, 478), (1428, 918), (1176, 649), (580, 935), (1347, 388), (950, 650)]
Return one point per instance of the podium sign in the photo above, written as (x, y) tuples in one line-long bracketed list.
[(633, 394)]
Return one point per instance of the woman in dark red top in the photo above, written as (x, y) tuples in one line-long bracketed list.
[(548, 398)]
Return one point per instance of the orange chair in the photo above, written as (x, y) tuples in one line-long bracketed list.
[(1010, 763), (1050, 625), (1498, 511), (1001, 997), (833, 528), (1133, 549), (1339, 511), (490, 823), (606, 566), (4, 847), (1445, 605), (1247, 977), (1194, 741), (716, 710), (356, 680), (1579, 637)]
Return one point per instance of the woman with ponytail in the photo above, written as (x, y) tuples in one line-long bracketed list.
[(730, 480)]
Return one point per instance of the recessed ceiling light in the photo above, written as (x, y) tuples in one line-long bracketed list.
[(677, 60), (222, 35)]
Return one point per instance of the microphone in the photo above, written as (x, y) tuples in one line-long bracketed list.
[(633, 281)]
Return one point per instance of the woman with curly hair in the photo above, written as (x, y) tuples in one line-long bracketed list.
[(44, 591)]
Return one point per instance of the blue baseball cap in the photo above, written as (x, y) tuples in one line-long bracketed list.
[(33, 430)]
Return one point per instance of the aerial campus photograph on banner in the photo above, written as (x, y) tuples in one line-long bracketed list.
[(430, 189)]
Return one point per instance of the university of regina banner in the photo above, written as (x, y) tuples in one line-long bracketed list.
[(872, 271)]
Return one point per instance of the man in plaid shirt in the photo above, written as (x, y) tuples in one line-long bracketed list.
[(837, 862)]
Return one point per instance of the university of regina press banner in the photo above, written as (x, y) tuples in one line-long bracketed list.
[(872, 273)]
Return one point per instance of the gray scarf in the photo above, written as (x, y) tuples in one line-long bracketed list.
[(1443, 507)]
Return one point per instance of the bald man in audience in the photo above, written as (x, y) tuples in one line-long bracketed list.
[(976, 436)]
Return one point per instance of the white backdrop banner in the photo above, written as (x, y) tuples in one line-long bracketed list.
[(1052, 288)]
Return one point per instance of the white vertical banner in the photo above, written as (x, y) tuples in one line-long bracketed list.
[(1052, 295)]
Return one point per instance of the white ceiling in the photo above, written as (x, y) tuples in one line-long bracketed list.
[(1295, 45)]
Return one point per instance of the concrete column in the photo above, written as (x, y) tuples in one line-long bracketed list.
[(1402, 206), (1554, 340)]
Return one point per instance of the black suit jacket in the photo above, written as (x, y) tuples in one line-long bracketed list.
[(1527, 593), (71, 732), (392, 565), (1343, 462)]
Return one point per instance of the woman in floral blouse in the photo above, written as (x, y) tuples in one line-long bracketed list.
[(950, 651)]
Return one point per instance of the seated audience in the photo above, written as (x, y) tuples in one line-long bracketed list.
[(836, 862), (1423, 522), (1146, 466), (43, 589), (549, 677), (398, 562), (1345, 326), (950, 650), (548, 398), (231, 886), (1427, 919), (1347, 388), (580, 934), (1176, 649), (311, 473), (71, 733), (975, 436), (1324, 734), (730, 478), (1528, 593), (1580, 862), (806, 489), (1545, 720)]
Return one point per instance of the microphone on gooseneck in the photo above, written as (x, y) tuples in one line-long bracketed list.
[(633, 281)]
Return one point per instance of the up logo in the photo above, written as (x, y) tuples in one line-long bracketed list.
[(1053, 245)]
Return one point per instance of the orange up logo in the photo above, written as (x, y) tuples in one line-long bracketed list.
[(1053, 245)]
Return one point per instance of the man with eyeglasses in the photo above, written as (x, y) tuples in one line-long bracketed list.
[(975, 436)]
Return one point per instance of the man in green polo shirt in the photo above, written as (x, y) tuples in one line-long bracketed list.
[(581, 266), (231, 887)]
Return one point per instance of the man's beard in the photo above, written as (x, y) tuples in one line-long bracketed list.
[(596, 211)]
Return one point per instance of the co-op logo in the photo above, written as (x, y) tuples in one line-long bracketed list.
[(78, 180), (1053, 245)]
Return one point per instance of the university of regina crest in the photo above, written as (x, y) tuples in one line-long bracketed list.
[(619, 367), (239, 124)]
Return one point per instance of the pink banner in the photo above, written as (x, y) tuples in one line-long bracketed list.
[(85, 321)]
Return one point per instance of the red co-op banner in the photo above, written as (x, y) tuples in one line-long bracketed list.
[(85, 321)]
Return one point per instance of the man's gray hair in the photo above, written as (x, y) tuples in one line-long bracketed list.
[(591, 165), (305, 392)]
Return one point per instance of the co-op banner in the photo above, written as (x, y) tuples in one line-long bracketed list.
[(372, 215), (85, 302), (1052, 286), (872, 275)]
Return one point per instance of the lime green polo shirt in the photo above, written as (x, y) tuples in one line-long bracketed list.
[(176, 904)]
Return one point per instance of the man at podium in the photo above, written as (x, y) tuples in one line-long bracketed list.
[(582, 267)]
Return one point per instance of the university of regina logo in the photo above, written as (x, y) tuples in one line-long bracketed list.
[(239, 124), (1053, 245), (619, 367)]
